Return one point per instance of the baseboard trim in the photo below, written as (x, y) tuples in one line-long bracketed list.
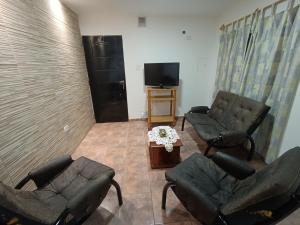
[(138, 119), (145, 119)]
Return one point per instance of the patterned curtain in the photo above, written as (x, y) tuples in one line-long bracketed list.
[(225, 46), (270, 72), (231, 56), (286, 81)]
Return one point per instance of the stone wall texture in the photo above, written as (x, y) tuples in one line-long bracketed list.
[(43, 85)]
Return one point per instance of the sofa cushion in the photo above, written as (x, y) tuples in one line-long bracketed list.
[(221, 105), (244, 114), (206, 176), (199, 118), (208, 131)]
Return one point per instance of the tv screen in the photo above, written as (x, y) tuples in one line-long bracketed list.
[(161, 74)]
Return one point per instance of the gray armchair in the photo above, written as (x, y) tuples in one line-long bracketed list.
[(67, 193), (229, 122), (227, 191)]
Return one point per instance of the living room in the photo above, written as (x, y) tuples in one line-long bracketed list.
[(53, 105)]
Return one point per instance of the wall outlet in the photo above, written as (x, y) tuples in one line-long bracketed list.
[(143, 115), (66, 128)]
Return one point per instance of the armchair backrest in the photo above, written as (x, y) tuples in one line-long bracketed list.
[(270, 188), (25, 205), (10, 217), (235, 112)]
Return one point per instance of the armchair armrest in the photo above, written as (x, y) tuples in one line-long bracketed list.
[(199, 109), (198, 204), (235, 167), (42, 175), (89, 197)]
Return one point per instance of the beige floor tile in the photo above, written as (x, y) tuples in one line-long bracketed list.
[(175, 212), (136, 210)]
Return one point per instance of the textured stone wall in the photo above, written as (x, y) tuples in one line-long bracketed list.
[(43, 85)]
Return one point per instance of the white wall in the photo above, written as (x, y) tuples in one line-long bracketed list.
[(291, 136), (161, 41)]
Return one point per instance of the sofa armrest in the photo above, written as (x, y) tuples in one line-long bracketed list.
[(199, 109), (42, 175), (196, 202), (233, 166), (231, 138), (89, 198)]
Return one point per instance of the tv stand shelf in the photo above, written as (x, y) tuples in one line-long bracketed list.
[(169, 95), (162, 98)]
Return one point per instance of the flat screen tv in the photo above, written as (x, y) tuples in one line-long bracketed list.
[(161, 74)]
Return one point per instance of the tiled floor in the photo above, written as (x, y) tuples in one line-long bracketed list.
[(123, 146)]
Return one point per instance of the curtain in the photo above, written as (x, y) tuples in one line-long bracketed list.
[(232, 48), (286, 82), (270, 72)]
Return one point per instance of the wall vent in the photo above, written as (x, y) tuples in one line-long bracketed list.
[(141, 21)]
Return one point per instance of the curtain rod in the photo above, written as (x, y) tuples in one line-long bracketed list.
[(250, 14)]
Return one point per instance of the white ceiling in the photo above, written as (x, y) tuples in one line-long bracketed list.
[(153, 7)]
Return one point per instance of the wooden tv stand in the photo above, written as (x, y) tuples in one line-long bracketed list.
[(169, 95)]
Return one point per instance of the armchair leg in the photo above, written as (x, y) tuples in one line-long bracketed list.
[(23, 182), (183, 121), (207, 149), (220, 221), (119, 193), (252, 148), (61, 219), (164, 194)]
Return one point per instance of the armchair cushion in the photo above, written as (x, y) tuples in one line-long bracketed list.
[(44, 173), (70, 183), (89, 198), (27, 204), (233, 166), (201, 173), (199, 109)]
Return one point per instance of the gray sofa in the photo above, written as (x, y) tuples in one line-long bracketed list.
[(229, 122)]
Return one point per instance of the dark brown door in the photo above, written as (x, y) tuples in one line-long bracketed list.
[(105, 64)]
